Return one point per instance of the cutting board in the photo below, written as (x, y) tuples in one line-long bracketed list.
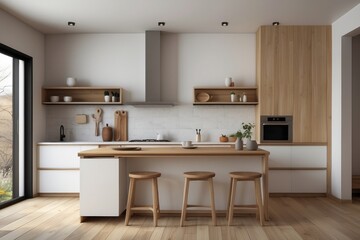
[(121, 126)]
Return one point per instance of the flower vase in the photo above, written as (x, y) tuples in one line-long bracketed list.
[(251, 145), (239, 145)]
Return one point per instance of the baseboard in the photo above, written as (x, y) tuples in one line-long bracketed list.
[(58, 194), (338, 199), (297, 194)]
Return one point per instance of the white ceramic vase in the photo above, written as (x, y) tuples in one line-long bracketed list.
[(70, 81), (228, 81), (107, 98)]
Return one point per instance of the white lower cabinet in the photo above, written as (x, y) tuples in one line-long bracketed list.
[(297, 181), (297, 169), (59, 168), (102, 186), (59, 181)]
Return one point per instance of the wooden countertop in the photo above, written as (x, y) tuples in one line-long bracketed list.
[(170, 151)]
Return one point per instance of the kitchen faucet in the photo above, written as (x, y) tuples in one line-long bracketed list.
[(62, 133)]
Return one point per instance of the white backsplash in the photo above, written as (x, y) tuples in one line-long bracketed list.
[(176, 123)]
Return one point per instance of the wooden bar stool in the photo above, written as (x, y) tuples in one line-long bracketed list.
[(198, 176), (245, 176), (155, 208)]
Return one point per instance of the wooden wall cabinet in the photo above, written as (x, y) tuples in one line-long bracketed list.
[(80, 95), (221, 95), (294, 78)]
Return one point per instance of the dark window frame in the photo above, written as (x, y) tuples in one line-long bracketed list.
[(28, 123)]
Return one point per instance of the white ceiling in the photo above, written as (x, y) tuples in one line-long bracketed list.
[(201, 16)]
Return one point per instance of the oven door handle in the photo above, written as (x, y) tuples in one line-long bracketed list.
[(272, 124)]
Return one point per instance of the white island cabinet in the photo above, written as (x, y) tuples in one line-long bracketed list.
[(59, 168), (297, 169), (103, 186)]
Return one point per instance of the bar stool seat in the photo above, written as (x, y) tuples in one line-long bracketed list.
[(198, 176), (130, 207), (245, 176)]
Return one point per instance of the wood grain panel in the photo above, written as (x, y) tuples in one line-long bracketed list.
[(293, 69)]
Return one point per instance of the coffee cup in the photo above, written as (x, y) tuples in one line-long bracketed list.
[(186, 143)]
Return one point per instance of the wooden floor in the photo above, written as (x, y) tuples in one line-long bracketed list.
[(291, 218)]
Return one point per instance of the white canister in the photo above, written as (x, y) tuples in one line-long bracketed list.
[(228, 81), (70, 81), (244, 98)]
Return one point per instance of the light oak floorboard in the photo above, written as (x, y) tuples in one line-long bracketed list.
[(58, 218)]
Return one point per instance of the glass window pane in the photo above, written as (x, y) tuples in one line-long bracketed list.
[(6, 128)]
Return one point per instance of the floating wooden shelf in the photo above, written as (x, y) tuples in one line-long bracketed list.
[(221, 95), (80, 95)]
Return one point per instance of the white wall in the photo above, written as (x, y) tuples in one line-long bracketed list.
[(25, 39), (188, 60), (355, 105), (341, 102)]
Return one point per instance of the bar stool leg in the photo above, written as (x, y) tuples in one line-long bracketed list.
[(228, 203), (232, 199), (158, 199), (129, 201), (259, 200), (185, 199), (211, 189), (155, 201)]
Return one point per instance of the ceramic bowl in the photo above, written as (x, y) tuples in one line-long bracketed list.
[(67, 99), (54, 98)]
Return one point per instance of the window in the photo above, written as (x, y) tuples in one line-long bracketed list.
[(15, 132)]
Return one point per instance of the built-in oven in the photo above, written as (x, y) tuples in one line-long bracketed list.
[(276, 129)]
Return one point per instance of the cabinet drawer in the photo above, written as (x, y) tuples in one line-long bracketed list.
[(58, 156), (297, 181), (58, 181), (280, 156), (313, 181), (308, 156), (279, 181)]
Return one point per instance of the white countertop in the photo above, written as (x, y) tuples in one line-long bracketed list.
[(131, 143)]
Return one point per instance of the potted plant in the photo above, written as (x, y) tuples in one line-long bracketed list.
[(115, 96), (247, 133), (106, 96), (223, 138), (232, 96)]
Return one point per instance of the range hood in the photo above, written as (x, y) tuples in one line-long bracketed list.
[(152, 72)]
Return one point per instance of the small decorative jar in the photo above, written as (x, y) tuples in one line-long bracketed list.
[(244, 97), (107, 133), (70, 81), (228, 81), (232, 96)]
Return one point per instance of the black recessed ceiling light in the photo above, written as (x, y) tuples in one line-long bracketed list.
[(224, 24), (71, 24), (161, 24), (276, 23)]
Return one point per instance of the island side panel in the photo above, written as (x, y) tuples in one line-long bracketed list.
[(102, 186), (171, 182)]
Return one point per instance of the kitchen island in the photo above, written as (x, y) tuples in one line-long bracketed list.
[(172, 162)]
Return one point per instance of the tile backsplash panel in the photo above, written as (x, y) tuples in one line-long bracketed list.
[(176, 123)]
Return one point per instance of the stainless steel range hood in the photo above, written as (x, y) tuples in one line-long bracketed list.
[(152, 72)]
